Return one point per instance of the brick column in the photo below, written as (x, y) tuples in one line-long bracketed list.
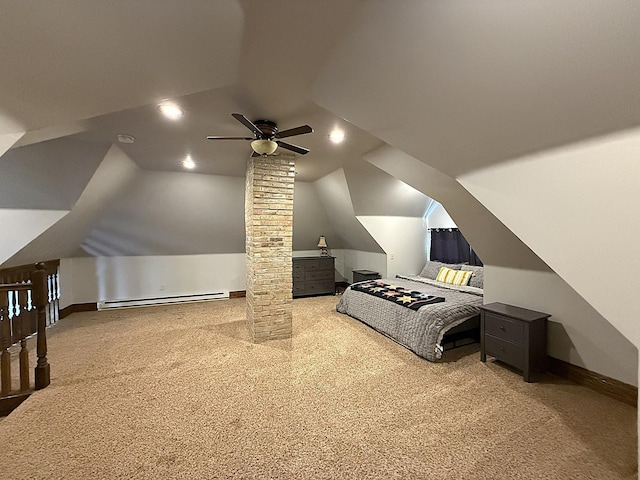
[(269, 232)]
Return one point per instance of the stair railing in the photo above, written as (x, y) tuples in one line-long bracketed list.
[(26, 309)]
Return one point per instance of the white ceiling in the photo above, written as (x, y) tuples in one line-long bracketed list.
[(458, 85)]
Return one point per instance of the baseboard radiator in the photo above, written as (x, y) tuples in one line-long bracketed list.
[(151, 301)]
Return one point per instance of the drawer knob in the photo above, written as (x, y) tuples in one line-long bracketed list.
[(502, 328)]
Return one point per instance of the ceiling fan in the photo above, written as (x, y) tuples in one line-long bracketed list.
[(266, 137)]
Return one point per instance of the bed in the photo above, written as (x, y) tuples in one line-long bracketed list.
[(419, 311)]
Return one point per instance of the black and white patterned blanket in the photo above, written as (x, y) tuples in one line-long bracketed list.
[(412, 299)]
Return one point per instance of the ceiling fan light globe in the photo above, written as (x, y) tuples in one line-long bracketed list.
[(264, 147)]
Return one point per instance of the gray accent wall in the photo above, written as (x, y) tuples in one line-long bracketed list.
[(166, 213), (172, 214), (333, 191), (110, 180), (50, 175), (310, 219), (374, 192)]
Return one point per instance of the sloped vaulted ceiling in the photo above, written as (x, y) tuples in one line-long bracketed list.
[(463, 85), (66, 60)]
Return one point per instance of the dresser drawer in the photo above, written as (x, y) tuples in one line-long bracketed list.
[(320, 286), (299, 288), (319, 275), (318, 264), (504, 328), (508, 352)]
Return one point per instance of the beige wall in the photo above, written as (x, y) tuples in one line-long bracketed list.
[(403, 241), (578, 208), (577, 333)]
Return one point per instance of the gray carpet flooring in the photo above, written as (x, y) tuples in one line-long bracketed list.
[(179, 391)]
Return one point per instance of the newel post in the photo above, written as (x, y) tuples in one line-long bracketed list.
[(41, 297)]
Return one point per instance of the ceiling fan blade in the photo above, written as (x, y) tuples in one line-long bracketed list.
[(247, 123), (213, 137), (293, 148), (294, 131)]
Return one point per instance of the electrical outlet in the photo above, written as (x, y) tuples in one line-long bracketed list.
[(392, 256)]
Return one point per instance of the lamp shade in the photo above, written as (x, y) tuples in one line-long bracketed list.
[(322, 242), (264, 147)]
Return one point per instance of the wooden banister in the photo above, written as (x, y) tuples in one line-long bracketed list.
[(22, 273), (14, 328), (41, 299), (28, 304)]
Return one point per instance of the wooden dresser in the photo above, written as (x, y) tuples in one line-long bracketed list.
[(515, 336), (313, 276)]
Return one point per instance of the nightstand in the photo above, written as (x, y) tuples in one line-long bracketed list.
[(362, 275), (515, 336)]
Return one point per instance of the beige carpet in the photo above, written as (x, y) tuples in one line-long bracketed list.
[(179, 392)]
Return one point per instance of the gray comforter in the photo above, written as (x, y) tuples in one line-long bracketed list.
[(419, 330)]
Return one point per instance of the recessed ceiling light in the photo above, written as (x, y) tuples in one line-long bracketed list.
[(170, 110), (336, 136), (188, 163), (126, 138)]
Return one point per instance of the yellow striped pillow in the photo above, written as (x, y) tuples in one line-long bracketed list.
[(454, 277)]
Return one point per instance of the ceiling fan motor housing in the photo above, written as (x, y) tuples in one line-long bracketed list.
[(268, 128)]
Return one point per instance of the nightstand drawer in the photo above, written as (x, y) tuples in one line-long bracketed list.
[(504, 328), (508, 352), (514, 335)]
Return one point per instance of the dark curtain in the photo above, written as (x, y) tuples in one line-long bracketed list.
[(474, 259), (449, 246)]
